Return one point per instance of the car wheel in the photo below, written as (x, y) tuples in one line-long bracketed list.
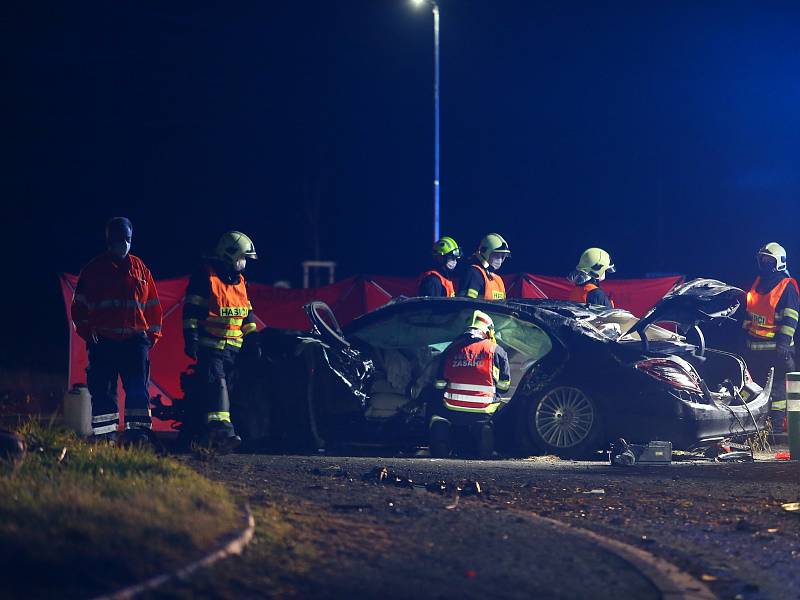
[(312, 402), (565, 421), (251, 411)]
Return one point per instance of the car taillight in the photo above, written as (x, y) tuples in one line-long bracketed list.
[(671, 372)]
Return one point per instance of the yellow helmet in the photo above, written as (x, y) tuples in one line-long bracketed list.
[(775, 256), (595, 262), (234, 245), (493, 242), (482, 322)]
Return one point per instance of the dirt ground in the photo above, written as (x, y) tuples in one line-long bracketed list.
[(329, 528)]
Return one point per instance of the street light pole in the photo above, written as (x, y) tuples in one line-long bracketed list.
[(435, 8), (435, 120)]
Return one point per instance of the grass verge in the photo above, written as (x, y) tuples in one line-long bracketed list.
[(77, 519)]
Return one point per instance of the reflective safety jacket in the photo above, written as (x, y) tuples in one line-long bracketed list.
[(772, 314), (446, 287), (116, 299), (590, 293), (472, 372), (477, 282), (217, 310)]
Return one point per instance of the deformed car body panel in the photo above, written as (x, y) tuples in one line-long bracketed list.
[(375, 375)]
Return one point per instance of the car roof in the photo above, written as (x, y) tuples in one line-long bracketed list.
[(551, 315)]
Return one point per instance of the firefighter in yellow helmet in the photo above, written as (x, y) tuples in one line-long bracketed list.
[(473, 372), (439, 280), (218, 324), (587, 275), (480, 279), (773, 303)]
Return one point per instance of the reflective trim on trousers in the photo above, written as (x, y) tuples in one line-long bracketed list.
[(219, 416), (470, 387), (138, 425), (106, 417), (753, 345), (487, 410), (105, 429), (137, 412), (479, 400), (778, 405)]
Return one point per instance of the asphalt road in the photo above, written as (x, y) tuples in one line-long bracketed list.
[(333, 527)]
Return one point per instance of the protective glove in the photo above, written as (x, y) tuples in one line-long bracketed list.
[(190, 345), (251, 347)]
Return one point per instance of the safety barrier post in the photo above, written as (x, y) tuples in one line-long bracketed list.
[(793, 412)]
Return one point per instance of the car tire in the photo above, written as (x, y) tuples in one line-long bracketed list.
[(564, 420), (251, 410), (311, 405)]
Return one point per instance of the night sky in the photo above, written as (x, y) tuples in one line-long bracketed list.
[(666, 132)]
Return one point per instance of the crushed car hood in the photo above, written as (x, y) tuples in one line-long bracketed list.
[(694, 302)]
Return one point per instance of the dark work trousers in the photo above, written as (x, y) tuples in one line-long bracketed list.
[(465, 426), (759, 363), (125, 359), (215, 369)]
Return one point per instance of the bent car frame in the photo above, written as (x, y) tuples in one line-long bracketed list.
[(582, 376)]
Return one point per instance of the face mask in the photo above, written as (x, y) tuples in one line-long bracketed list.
[(450, 264), (239, 265), (120, 249), (496, 263)]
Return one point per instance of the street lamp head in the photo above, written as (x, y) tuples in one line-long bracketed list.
[(418, 3)]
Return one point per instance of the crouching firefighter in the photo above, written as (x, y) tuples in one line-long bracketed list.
[(773, 303), (474, 369), (218, 323)]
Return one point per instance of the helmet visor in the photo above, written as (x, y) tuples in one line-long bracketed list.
[(766, 262)]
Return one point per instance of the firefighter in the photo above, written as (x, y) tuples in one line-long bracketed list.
[(480, 279), (473, 371), (218, 323), (439, 280), (773, 303), (117, 312), (587, 275)]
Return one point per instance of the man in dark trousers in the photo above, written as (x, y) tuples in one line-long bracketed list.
[(473, 371), (438, 281), (117, 312), (773, 303), (218, 321)]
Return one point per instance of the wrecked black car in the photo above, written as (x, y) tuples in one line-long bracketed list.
[(582, 376)]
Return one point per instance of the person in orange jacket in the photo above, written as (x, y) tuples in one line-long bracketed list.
[(592, 268), (116, 310), (438, 282), (474, 371), (218, 325), (480, 278), (773, 305)]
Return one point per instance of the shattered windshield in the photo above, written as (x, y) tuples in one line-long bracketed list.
[(426, 327)]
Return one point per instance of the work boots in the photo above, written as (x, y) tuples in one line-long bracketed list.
[(222, 437), (440, 438), (485, 441), (135, 437)]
